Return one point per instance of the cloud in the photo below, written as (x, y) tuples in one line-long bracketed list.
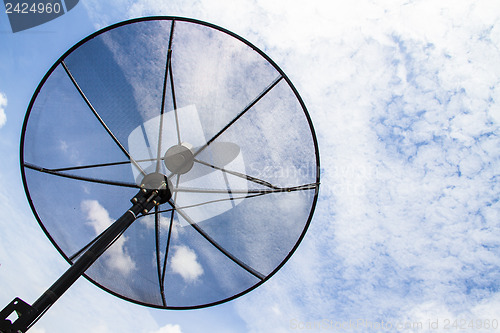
[(3, 105), (408, 207), (149, 222), (184, 262), (105, 13), (117, 257), (405, 111), (169, 328)]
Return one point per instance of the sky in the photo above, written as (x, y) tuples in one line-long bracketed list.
[(404, 99)]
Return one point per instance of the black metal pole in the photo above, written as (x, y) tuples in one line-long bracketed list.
[(143, 202), (86, 260)]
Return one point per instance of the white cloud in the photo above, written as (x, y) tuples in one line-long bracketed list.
[(105, 13), (407, 222), (149, 222), (117, 257), (397, 229), (169, 328), (184, 262), (406, 115), (3, 105)]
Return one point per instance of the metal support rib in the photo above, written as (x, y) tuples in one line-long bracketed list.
[(87, 179), (248, 107), (172, 86), (90, 166), (252, 194), (115, 139), (238, 174), (168, 66), (217, 245), (162, 111), (250, 191), (174, 100), (167, 247), (211, 201), (158, 259), (226, 180)]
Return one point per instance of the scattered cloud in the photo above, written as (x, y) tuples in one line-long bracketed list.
[(184, 262), (169, 328), (149, 222), (63, 145), (117, 257), (37, 330), (406, 113), (3, 105), (408, 211)]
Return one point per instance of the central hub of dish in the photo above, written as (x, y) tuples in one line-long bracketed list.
[(179, 159), (160, 182)]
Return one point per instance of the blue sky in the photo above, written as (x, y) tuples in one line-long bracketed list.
[(404, 98)]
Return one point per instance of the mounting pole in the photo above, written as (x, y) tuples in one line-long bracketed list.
[(143, 202)]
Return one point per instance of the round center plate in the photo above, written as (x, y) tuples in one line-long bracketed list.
[(179, 159), (190, 105)]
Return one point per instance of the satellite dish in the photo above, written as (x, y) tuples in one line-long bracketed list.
[(206, 136)]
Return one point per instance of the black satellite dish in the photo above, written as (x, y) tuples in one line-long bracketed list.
[(201, 131)]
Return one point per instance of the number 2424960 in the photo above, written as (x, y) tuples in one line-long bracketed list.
[(35, 8)]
